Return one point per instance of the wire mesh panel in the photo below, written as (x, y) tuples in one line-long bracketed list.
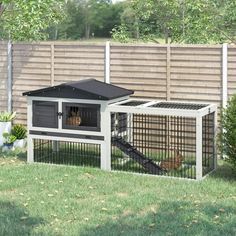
[(153, 144), (208, 143), (66, 153), (174, 105)]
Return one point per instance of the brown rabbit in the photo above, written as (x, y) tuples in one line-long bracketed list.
[(75, 119), (172, 163)]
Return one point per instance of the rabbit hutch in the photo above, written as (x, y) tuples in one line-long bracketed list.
[(69, 123), (91, 123)]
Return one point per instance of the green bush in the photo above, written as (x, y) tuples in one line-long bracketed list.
[(19, 131), (228, 134)]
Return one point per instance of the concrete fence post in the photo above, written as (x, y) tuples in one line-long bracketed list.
[(9, 76), (168, 68), (224, 74), (107, 63), (52, 64)]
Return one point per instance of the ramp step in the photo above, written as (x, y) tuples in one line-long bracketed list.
[(133, 153)]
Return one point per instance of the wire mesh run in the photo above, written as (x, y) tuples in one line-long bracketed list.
[(208, 143), (153, 144), (66, 153)]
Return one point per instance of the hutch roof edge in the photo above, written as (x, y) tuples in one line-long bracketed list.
[(84, 89)]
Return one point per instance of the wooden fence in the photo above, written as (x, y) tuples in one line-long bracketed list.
[(167, 72)]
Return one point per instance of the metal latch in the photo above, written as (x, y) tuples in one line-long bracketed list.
[(59, 114)]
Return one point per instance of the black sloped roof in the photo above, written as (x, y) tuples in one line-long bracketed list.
[(83, 89)]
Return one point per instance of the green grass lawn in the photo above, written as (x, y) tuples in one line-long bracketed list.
[(41, 199)]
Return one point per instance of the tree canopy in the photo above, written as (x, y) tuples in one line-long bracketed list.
[(28, 19), (176, 21), (86, 18), (187, 21)]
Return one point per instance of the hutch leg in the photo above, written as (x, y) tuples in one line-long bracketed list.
[(55, 146), (199, 148), (30, 149)]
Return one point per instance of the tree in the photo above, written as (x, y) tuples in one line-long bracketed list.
[(28, 19), (199, 21), (86, 18)]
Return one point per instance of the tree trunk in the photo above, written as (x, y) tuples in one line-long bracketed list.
[(166, 36), (87, 31), (136, 28)]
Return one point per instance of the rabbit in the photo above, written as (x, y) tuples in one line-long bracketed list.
[(172, 163), (75, 119)]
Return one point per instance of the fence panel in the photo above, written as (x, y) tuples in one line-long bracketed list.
[(76, 61), (31, 70), (3, 76), (140, 68), (196, 73)]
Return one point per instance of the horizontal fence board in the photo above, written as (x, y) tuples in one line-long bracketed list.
[(196, 64), (65, 61)]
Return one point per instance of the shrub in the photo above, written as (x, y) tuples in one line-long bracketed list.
[(228, 134), (8, 138), (19, 131), (7, 116)]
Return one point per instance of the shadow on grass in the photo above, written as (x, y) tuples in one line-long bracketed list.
[(15, 221), (171, 218), (19, 154), (224, 171)]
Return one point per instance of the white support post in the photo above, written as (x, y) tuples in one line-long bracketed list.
[(130, 127), (199, 147), (106, 145), (30, 144), (60, 117), (9, 76), (224, 75), (107, 63), (30, 149), (215, 135), (55, 146)]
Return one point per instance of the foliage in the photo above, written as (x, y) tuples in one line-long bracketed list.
[(121, 33), (87, 18), (19, 131), (27, 19), (228, 135), (7, 116), (187, 21), (8, 138)]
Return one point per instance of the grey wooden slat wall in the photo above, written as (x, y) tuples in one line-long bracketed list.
[(175, 72), (3, 76)]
